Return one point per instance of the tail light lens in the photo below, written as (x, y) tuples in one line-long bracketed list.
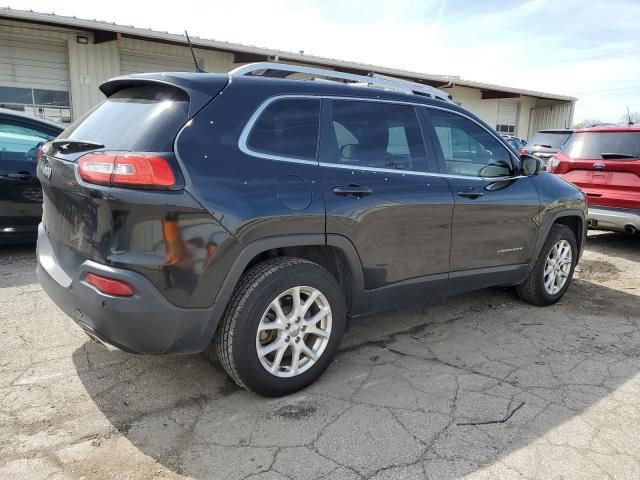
[(521, 150), (127, 170), (41, 151), (110, 286), (552, 164)]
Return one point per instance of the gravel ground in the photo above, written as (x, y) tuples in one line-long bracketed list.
[(478, 385)]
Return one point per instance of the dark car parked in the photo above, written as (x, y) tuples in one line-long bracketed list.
[(547, 142), (252, 215), (21, 136)]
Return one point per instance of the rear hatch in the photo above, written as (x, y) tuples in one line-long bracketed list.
[(134, 128), (605, 165), (547, 142)]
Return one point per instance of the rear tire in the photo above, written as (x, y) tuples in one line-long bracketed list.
[(553, 271), (267, 341)]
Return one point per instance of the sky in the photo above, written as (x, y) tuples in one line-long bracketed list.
[(587, 49)]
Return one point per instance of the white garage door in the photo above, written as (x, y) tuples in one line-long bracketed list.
[(34, 77), (507, 117), (132, 61)]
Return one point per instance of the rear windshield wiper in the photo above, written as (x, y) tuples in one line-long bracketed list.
[(617, 155), (67, 145)]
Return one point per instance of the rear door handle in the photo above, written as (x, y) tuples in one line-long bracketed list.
[(352, 190), (470, 193)]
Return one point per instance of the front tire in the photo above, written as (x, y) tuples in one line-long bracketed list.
[(282, 327), (553, 271)]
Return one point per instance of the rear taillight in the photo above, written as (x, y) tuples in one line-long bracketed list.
[(41, 151), (110, 286), (521, 151), (552, 164), (131, 169)]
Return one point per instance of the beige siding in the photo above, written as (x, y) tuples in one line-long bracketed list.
[(549, 114), (177, 55), (89, 66), (471, 99)]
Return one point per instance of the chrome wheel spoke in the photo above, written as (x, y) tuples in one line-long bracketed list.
[(271, 347), (275, 366), (295, 361), (309, 352), (318, 332), (318, 316)]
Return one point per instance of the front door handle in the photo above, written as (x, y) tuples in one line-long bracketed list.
[(470, 193), (352, 190)]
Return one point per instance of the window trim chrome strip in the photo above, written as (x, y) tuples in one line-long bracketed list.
[(246, 131)]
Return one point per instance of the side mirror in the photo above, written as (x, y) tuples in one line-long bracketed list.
[(530, 165)]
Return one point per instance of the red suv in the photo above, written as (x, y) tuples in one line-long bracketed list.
[(605, 163)]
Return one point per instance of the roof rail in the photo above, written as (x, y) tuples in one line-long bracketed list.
[(282, 70)]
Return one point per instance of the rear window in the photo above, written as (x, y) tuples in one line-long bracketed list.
[(550, 139), (594, 144), (141, 119), (287, 128)]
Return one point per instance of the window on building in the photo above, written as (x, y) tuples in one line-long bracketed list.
[(379, 135), (52, 105), (469, 149), (287, 128), (506, 128)]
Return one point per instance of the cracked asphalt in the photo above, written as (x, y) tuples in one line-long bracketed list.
[(479, 385)]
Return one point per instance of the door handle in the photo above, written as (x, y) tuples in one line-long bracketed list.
[(20, 176), (470, 193), (352, 190)]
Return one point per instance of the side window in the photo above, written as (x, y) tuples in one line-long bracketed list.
[(375, 134), (18, 142), (469, 149), (287, 128)]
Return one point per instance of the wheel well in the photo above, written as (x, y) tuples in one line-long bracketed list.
[(331, 258), (575, 224)]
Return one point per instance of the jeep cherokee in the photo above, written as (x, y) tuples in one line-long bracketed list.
[(251, 214)]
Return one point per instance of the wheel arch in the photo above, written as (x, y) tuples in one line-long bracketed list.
[(334, 252)]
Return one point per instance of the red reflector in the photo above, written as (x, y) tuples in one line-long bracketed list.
[(132, 169), (110, 286)]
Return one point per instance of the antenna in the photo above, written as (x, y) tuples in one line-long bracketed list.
[(630, 122), (199, 69)]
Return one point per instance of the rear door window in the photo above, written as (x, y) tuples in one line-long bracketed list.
[(287, 128), (141, 119), (376, 134), (603, 145)]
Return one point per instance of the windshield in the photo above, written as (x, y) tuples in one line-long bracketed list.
[(550, 139), (593, 144)]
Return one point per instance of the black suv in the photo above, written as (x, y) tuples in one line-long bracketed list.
[(251, 214)]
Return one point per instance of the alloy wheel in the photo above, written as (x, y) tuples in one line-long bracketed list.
[(557, 268), (294, 331)]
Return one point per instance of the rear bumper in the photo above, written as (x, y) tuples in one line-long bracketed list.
[(145, 323), (614, 219)]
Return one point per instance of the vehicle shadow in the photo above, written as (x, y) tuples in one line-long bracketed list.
[(453, 386)]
